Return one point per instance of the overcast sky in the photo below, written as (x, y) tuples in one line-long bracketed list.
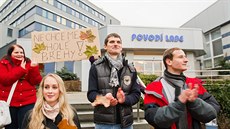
[(152, 13)]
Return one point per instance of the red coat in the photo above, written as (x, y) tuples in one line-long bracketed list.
[(25, 92)]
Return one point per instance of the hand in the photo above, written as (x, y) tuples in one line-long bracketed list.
[(23, 64), (107, 100), (112, 100), (183, 97), (193, 92), (33, 63), (120, 95)]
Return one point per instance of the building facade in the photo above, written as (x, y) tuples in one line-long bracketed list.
[(215, 23), (142, 46), (48, 15)]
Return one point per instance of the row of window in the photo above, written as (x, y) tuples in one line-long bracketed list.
[(73, 12), (35, 27), (50, 67), (15, 11), (213, 48), (46, 14), (148, 67), (50, 15), (88, 9)]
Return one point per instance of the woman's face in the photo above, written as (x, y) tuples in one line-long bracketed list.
[(17, 53), (51, 90)]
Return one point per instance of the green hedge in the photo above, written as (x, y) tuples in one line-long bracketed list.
[(221, 91)]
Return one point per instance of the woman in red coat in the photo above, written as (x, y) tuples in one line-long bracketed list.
[(16, 66)]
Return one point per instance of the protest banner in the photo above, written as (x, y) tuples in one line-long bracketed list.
[(65, 45)]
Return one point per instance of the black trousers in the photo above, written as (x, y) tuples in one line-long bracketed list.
[(17, 116)]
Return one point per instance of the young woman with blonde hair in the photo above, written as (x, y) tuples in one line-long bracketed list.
[(51, 109)]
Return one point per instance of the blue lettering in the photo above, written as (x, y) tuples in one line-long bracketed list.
[(172, 38), (139, 37), (166, 38), (133, 36), (181, 38), (145, 37), (151, 37), (158, 38)]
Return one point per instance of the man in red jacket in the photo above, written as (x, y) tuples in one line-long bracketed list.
[(175, 101)]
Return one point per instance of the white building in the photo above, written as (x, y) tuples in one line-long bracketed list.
[(143, 46), (215, 23)]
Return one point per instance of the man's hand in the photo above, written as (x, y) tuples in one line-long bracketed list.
[(120, 95), (107, 100), (193, 92), (183, 97)]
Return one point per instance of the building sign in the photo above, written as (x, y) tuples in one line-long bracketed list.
[(157, 38), (65, 45)]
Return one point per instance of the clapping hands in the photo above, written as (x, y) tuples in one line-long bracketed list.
[(109, 100), (190, 94)]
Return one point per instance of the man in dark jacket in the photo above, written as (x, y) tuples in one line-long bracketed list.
[(175, 101), (112, 88)]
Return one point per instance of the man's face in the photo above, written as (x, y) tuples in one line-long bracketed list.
[(114, 46), (179, 62)]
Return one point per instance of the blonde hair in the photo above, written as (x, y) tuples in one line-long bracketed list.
[(66, 109)]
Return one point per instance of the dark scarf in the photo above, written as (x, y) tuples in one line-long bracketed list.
[(177, 81)]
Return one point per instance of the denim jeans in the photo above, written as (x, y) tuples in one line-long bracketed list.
[(115, 126)]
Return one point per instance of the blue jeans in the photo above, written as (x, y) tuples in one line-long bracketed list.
[(17, 116), (115, 126)]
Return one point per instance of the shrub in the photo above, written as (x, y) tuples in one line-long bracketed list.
[(67, 75), (221, 91)]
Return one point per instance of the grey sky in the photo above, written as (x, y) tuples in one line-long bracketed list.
[(153, 13)]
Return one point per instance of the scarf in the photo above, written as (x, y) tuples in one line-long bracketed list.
[(178, 82), (50, 112), (115, 65)]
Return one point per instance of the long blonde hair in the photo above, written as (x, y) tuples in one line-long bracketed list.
[(66, 109)]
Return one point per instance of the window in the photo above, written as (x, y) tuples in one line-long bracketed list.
[(64, 8), (208, 63), (139, 65), (50, 15), (217, 61), (63, 22), (49, 67), (148, 66), (217, 47), (51, 2), (69, 65), (216, 34), (207, 50), (10, 32)]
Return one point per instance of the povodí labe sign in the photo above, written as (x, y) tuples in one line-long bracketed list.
[(65, 45), (157, 38)]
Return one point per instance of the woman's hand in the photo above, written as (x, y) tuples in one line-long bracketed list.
[(33, 63), (23, 64)]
